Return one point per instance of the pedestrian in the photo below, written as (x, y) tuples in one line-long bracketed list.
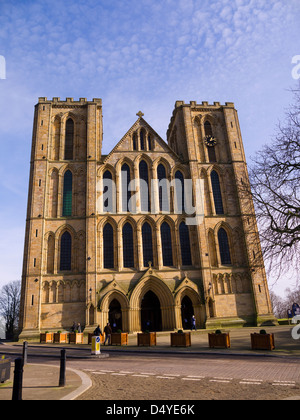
[(194, 323), (73, 328), (108, 331), (78, 328), (97, 331)]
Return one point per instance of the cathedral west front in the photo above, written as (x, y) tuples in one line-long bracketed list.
[(146, 236)]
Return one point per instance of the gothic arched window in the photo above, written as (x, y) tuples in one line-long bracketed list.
[(134, 142), (179, 191), (69, 139), (67, 194), (65, 252), (215, 182), (211, 149), (142, 140), (224, 247), (50, 254), (107, 190), (147, 244), (144, 186), (185, 246), (108, 246), (161, 175), (128, 250), (207, 128), (166, 244), (149, 142), (125, 180)]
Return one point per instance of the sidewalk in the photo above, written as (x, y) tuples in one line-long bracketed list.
[(40, 382)]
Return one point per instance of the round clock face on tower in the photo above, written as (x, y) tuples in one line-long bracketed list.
[(210, 141)]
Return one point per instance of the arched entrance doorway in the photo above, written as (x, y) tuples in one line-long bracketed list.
[(151, 312), (187, 311), (115, 315)]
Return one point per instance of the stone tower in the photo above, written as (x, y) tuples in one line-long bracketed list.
[(209, 138), (66, 145), (90, 259)]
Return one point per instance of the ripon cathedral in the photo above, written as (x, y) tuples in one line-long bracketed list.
[(107, 240)]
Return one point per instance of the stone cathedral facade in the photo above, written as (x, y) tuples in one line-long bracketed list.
[(106, 241)]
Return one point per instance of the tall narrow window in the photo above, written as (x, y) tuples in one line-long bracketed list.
[(224, 247), (134, 142), (67, 194), (108, 246), (147, 244), (69, 140), (161, 175), (142, 139), (128, 250), (208, 129), (65, 252), (50, 254), (149, 142), (215, 182), (107, 192), (211, 149), (179, 192), (185, 246), (125, 180), (166, 244), (144, 186)]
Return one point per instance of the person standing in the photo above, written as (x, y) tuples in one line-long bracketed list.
[(97, 331), (108, 331), (194, 323)]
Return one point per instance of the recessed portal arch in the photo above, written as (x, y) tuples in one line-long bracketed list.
[(151, 312), (115, 315), (187, 311)]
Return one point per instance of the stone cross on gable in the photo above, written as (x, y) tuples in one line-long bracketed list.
[(140, 114)]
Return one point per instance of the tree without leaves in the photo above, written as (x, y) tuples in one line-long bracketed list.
[(275, 189), (10, 307), (282, 304)]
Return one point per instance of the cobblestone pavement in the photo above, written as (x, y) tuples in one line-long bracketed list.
[(143, 377)]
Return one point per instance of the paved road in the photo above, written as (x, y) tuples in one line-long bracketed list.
[(158, 377)]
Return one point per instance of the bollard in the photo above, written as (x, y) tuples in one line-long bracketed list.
[(62, 373), (25, 349), (18, 380)]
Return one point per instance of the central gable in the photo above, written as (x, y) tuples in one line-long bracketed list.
[(140, 138)]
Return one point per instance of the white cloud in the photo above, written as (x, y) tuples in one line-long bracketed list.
[(142, 54)]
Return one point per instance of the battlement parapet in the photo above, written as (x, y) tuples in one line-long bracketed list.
[(81, 101)]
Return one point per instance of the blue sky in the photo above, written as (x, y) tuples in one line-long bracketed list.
[(136, 55)]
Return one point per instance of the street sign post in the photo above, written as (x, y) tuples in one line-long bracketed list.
[(96, 345)]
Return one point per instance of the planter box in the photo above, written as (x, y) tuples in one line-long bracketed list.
[(119, 339), (146, 339), (5, 365), (219, 340), (46, 338), (262, 342), (91, 335), (60, 337), (181, 339), (76, 338)]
